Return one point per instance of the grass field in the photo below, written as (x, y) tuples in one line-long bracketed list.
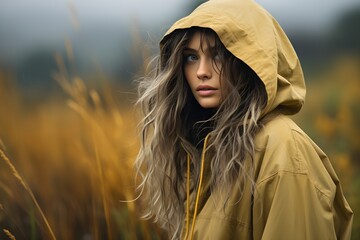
[(66, 162)]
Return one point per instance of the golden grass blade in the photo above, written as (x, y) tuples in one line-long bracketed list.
[(27, 188), (2, 146), (103, 192), (95, 127), (8, 233)]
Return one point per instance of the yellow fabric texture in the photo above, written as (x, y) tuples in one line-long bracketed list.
[(297, 193)]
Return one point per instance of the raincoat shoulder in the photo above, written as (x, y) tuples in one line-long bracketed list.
[(298, 195)]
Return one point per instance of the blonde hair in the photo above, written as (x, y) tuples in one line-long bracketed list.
[(174, 124)]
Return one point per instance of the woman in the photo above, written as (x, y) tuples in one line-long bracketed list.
[(220, 158)]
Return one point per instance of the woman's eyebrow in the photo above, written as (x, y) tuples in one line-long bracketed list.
[(187, 49), (211, 49)]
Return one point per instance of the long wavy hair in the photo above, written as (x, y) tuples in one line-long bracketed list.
[(175, 125)]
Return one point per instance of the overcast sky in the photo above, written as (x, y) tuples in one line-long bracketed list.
[(313, 14), (293, 11), (25, 22)]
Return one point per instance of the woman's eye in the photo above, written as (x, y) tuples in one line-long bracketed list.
[(191, 58)]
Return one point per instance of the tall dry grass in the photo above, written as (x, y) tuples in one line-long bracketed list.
[(66, 165)]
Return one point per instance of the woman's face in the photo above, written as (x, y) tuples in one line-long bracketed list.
[(202, 68)]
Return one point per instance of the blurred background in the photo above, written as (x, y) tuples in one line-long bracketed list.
[(68, 133)]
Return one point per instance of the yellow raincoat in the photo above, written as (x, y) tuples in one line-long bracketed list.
[(297, 193)]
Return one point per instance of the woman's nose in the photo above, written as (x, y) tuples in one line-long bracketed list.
[(204, 70)]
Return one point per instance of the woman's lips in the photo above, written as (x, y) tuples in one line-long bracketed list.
[(205, 90)]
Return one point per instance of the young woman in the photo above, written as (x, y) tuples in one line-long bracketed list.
[(220, 158)]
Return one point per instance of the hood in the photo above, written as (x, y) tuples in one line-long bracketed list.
[(252, 35)]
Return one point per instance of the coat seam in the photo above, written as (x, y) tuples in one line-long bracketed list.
[(298, 158), (297, 173), (231, 221)]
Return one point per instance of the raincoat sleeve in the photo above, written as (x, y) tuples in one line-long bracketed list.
[(300, 197)]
